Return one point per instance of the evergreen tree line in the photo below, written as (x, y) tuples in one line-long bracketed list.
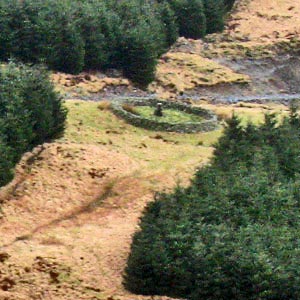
[(74, 35), (234, 233), (31, 113)]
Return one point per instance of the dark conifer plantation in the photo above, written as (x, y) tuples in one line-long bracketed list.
[(191, 17), (72, 36), (235, 232)]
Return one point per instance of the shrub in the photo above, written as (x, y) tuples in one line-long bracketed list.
[(234, 232)]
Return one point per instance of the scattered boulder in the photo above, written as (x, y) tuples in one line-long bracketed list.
[(4, 256), (7, 283)]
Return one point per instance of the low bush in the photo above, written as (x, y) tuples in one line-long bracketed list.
[(234, 232)]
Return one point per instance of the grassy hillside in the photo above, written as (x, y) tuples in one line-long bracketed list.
[(68, 216)]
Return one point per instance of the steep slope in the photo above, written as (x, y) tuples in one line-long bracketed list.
[(266, 21), (255, 55), (68, 216)]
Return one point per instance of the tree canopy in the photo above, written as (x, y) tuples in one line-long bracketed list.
[(234, 232), (72, 36), (31, 112)]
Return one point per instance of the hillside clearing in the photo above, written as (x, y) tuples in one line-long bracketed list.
[(68, 216)]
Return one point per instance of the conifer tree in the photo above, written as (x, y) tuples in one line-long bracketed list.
[(214, 13), (168, 19), (31, 113), (64, 45), (190, 17), (229, 4), (139, 56)]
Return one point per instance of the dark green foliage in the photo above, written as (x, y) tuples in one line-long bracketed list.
[(169, 22), (139, 50), (6, 164), (20, 34), (199, 17), (190, 17), (72, 36), (100, 29), (229, 4), (30, 113), (46, 113), (235, 232), (65, 46), (41, 31), (214, 12), (139, 45)]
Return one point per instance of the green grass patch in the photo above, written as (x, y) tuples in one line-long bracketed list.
[(169, 115), (158, 152)]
